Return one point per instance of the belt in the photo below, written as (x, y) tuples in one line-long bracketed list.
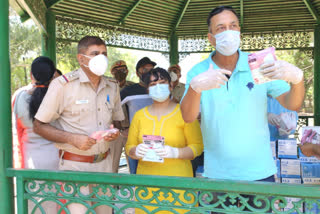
[(83, 158)]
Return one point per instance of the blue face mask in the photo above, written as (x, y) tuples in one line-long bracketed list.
[(159, 92)]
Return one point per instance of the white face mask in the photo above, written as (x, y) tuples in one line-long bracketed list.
[(227, 42), (98, 64), (174, 76)]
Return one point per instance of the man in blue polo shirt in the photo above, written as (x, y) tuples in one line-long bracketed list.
[(233, 108)]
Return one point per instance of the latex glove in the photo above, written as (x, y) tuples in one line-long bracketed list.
[(212, 78), (284, 132), (273, 119), (167, 152), (141, 150), (282, 70)]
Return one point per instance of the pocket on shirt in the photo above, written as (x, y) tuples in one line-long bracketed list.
[(83, 113)]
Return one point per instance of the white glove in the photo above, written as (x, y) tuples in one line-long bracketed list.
[(167, 152), (282, 70), (141, 150), (284, 132), (212, 78), (273, 119)]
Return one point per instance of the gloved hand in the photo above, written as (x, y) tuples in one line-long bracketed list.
[(282, 70), (273, 119), (212, 78), (167, 152), (141, 150), (284, 132)]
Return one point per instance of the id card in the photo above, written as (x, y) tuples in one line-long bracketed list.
[(154, 142)]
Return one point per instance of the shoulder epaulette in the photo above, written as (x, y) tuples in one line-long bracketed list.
[(111, 79), (68, 77)]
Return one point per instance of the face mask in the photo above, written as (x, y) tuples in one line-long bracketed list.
[(98, 64), (174, 76), (159, 92), (120, 75), (227, 42)]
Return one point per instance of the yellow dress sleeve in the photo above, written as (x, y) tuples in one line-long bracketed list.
[(133, 136), (193, 135)]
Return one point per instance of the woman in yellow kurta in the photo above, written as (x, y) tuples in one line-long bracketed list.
[(182, 141)]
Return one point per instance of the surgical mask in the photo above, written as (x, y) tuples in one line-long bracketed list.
[(174, 76), (98, 64), (227, 42), (159, 92)]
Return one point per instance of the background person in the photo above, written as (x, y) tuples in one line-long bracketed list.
[(36, 152), (178, 87), (82, 102), (119, 71), (182, 141), (135, 97)]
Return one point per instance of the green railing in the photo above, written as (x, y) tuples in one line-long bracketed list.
[(146, 193)]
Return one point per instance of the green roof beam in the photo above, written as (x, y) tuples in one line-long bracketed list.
[(123, 19), (37, 11), (51, 3), (183, 11), (312, 10), (241, 13)]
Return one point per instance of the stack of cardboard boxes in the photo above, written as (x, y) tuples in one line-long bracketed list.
[(295, 168)]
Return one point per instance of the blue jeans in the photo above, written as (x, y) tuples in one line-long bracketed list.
[(133, 164)]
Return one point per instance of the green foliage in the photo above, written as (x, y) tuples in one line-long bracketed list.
[(305, 62), (24, 47)]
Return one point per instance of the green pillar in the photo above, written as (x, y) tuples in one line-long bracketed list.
[(316, 81), (6, 187), (174, 54), (48, 43)]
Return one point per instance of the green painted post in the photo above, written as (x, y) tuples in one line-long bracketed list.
[(48, 43), (316, 83), (6, 184), (174, 54)]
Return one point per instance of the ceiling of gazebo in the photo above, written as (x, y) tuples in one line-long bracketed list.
[(188, 17)]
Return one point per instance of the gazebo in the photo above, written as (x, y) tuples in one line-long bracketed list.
[(174, 27)]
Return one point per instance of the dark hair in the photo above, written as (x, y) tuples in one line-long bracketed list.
[(59, 72), (42, 69), (158, 73), (218, 10), (144, 61), (87, 41)]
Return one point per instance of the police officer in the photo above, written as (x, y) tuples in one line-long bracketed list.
[(80, 103), (119, 71)]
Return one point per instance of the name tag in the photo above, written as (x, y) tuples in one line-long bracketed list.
[(82, 102)]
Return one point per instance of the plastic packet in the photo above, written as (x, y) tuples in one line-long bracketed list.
[(257, 59), (154, 142), (99, 135)]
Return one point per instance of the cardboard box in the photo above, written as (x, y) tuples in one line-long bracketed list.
[(278, 174), (290, 168), (310, 170), (291, 180), (314, 181), (273, 149), (306, 159), (287, 149)]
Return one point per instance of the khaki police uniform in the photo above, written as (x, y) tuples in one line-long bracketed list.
[(118, 146), (76, 107), (178, 91)]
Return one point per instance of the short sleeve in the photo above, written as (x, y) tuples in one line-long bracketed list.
[(193, 137), (118, 111), (277, 87), (51, 103)]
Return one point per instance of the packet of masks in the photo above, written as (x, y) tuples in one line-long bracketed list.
[(154, 142), (288, 121), (99, 135), (257, 59)]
